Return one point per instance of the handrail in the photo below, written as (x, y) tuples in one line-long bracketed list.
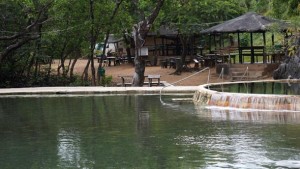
[(208, 76), (221, 74), (171, 84), (246, 72)]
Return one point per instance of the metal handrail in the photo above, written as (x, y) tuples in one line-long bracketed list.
[(221, 74), (171, 84), (246, 73)]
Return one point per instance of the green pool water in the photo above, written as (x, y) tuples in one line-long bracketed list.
[(137, 131)]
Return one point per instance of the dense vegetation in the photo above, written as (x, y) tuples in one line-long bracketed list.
[(34, 32)]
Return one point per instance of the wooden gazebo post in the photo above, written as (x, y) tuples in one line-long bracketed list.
[(252, 49), (239, 48), (264, 54)]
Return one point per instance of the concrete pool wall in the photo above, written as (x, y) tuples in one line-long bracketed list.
[(246, 100)]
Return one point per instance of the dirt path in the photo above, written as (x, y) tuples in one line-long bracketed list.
[(128, 69)]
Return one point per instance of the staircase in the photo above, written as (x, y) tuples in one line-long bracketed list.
[(244, 72)]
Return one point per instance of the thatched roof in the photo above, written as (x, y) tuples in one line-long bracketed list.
[(249, 22)]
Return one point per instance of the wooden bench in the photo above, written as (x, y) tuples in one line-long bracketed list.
[(153, 77), (153, 80)]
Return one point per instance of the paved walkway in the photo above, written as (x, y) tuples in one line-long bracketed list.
[(98, 90)]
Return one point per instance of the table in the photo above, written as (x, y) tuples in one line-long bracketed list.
[(155, 77), (110, 59), (227, 57), (210, 59)]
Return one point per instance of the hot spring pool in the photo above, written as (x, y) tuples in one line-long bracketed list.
[(137, 131)]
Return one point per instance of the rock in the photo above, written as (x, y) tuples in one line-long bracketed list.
[(289, 69)]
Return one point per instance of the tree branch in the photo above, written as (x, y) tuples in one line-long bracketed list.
[(16, 45), (30, 32), (155, 13), (39, 20)]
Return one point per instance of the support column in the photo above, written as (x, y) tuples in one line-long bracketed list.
[(240, 52), (252, 50), (264, 51)]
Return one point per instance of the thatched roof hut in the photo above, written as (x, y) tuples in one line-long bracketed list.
[(247, 23)]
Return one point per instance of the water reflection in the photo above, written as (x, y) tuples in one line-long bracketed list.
[(143, 116), (243, 150), (261, 116), (68, 149), (137, 132), (230, 151)]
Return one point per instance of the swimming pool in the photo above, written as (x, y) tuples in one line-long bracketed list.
[(136, 131)]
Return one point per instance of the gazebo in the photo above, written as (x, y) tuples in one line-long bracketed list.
[(247, 23)]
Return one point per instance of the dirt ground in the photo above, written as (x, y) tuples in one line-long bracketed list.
[(127, 69)]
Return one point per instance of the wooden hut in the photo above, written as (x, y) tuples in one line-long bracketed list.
[(248, 23)]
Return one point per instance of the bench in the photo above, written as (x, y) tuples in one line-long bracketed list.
[(153, 77), (153, 80)]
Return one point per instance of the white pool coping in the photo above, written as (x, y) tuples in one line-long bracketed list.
[(98, 90)]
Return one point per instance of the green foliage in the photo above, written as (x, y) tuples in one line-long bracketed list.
[(43, 79), (193, 16), (106, 80), (293, 36), (77, 81), (244, 40)]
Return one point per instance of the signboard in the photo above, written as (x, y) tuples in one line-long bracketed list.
[(143, 51)]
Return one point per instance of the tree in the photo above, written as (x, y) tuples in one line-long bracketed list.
[(66, 36), (101, 15), (190, 17), (140, 31), (22, 32), (111, 21), (290, 68)]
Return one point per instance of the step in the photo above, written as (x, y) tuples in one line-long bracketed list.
[(244, 78)]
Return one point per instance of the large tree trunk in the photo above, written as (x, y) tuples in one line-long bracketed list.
[(128, 42), (77, 54), (85, 74), (62, 59), (92, 43), (140, 32), (184, 39)]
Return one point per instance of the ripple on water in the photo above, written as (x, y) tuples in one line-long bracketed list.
[(236, 151)]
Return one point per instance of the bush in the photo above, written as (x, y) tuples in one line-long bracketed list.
[(42, 80), (106, 80)]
